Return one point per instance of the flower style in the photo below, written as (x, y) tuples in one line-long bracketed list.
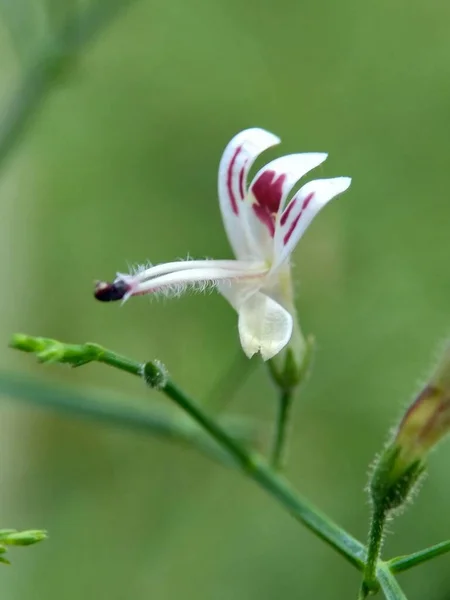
[(263, 228)]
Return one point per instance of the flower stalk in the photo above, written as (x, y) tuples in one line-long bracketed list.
[(279, 450)]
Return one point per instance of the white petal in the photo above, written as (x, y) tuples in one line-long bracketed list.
[(268, 193), (264, 326), (235, 164), (301, 210)]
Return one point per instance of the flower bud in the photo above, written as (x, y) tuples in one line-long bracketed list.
[(23, 538), (155, 374), (290, 366), (424, 424)]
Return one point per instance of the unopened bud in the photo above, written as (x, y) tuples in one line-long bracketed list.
[(24, 538), (427, 420), (155, 374), (290, 366), (424, 424)]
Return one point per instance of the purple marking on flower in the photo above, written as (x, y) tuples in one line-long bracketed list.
[(241, 180), (287, 212), (234, 205), (268, 190), (306, 201), (265, 217)]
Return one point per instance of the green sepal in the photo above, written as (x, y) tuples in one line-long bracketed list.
[(290, 367), (391, 486)]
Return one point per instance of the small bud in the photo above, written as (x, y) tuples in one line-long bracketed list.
[(24, 538), (290, 367), (424, 424), (427, 420), (155, 374)]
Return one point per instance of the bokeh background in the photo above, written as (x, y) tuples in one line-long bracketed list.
[(118, 165)]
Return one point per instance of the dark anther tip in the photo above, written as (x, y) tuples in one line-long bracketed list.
[(108, 292)]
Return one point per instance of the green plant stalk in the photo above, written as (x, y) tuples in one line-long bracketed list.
[(370, 582), (251, 464), (53, 60), (403, 563), (388, 583), (155, 420), (258, 470), (279, 450)]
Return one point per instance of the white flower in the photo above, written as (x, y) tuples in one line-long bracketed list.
[(263, 228)]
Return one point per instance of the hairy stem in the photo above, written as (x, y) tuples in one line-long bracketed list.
[(370, 583)]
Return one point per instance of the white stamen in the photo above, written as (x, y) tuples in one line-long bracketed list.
[(143, 274), (199, 278)]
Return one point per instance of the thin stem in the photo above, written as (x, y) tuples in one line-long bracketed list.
[(370, 583), (251, 464), (155, 420), (282, 429), (388, 583), (55, 57), (403, 563)]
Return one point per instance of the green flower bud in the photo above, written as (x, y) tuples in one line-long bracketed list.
[(290, 367), (155, 374), (24, 538)]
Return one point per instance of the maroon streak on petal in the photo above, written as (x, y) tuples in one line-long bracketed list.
[(306, 201), (265, 217), (268, 190), (234, 205), (241, 180), (287, 212)]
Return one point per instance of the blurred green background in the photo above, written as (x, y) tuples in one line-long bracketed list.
[(119, 166)]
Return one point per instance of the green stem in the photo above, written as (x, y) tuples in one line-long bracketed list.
[(157, 420), (282, 429), (388, 583), (51, 62), (251, 464), (403, 563), (370, 582)]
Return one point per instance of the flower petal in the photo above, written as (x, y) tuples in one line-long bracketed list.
[(264, 326), (268, 193), (235, 164), (300, 212)]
